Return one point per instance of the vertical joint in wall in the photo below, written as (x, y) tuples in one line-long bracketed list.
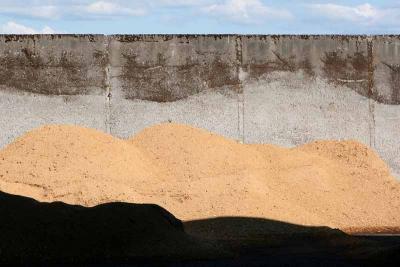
[(239, 54), (108, 92), (239, 92), (371, 90)]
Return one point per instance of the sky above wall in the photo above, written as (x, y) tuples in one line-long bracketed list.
[(200, 16)]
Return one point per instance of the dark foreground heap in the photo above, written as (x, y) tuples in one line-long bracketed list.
[(34, 233), (37, 233)]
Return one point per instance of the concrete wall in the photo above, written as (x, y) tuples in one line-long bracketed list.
[(286, 90)]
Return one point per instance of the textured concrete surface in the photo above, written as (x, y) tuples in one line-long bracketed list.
[(217, 112), (286, 90), (24, 111), (291, 110)]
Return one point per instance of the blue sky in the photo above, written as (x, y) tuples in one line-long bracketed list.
[(200, 16)]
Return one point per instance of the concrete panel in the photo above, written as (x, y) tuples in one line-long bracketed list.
[(311, 87), (184, 79), (387, 87)]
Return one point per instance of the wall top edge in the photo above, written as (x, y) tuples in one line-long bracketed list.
[(200, 35), (131, 38)]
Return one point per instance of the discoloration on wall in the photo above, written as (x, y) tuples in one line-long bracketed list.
[(386, 55), (280, 63), (154, 83), (350, 70), (171, 67), (175, 67), (352, 67), (28, 71), (395, 82), (264, 55), (52, 65)]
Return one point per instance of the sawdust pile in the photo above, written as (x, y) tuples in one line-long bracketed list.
[(196, 174)]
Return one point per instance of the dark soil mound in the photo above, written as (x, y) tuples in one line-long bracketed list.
[(37, 233), (48, 234)]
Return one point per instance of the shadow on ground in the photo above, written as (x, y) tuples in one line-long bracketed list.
[(34, 233)]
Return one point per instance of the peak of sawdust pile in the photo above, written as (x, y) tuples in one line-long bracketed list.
[(197, 174)]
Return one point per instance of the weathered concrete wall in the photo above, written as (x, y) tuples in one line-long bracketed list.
[(286, 90)]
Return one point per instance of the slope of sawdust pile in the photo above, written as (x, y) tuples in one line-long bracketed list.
[(196, 174)]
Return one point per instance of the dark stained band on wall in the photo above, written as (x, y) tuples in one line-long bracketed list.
[(166, 68)]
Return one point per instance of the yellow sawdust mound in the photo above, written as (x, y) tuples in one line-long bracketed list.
[(196, 174)]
